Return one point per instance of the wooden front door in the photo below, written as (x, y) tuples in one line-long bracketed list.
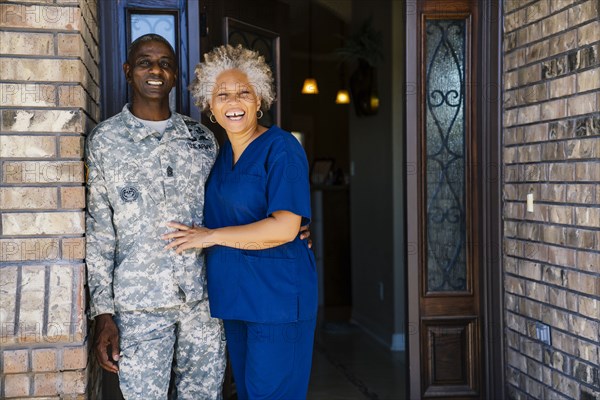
[(445, 138)]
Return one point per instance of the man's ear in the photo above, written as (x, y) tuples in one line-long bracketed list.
[(127, 70)]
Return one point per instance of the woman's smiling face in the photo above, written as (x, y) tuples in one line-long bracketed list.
[(234, 102)]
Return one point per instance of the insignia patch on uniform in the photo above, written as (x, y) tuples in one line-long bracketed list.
[(195, 144), (194, 129), (129, 193), (198, 139)]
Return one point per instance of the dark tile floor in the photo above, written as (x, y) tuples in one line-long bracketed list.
[(349, 364)]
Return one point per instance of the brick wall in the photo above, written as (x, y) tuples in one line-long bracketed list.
[(552, 150), (48, 100)]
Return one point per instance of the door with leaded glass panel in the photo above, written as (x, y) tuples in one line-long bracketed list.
[(448, 314)]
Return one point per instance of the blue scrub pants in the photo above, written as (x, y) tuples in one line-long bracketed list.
[(270, 361)]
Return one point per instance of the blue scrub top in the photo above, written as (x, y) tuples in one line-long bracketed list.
[(276, 285)]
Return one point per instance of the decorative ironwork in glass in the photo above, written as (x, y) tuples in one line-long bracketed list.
[(163, 25), (445, 155), (265, 43)]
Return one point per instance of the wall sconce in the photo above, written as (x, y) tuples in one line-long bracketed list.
[(310, 83)]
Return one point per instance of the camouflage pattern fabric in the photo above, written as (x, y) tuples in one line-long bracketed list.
[(149, 339), (136, 184)]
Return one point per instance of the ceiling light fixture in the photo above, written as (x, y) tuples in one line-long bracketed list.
[(310, 83), (342, 97)]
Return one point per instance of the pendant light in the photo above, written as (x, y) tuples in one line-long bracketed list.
[(310, 83), (342, 97), (310, 86)]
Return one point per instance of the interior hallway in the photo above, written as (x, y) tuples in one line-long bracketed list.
[(349, 364)]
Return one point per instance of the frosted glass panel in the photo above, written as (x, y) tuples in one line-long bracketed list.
[(445, 155), (161, 24)]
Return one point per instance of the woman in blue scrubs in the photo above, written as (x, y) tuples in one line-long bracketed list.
[(261, 277)]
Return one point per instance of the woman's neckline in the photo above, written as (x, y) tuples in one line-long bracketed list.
[(232, 164)]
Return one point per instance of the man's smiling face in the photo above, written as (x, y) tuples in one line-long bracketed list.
[(151, 71)]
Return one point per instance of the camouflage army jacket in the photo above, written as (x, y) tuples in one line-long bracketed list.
[(136, 184)]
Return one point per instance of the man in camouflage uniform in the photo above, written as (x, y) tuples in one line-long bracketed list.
[(148, 166)]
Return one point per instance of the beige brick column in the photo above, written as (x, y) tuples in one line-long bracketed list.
[(49, 91), (552, 152)]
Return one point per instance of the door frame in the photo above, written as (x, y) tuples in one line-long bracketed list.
[(489, 179), (491, 196)]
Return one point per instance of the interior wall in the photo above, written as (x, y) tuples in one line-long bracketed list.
[(370, 149), (375, 197), (398, 176)]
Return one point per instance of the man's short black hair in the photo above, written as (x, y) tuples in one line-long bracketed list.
[(149, 37)]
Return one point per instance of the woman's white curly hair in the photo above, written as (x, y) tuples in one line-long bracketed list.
[(227, 57)]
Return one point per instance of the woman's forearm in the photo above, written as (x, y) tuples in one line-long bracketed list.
[(282, 227)]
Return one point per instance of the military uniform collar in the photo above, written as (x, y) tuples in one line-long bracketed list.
[(176, 127)]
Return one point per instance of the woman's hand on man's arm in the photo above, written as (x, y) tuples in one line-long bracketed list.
[(281, 227)]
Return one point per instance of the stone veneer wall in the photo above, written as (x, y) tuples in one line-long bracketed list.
[(49, 92), (552, 149)]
